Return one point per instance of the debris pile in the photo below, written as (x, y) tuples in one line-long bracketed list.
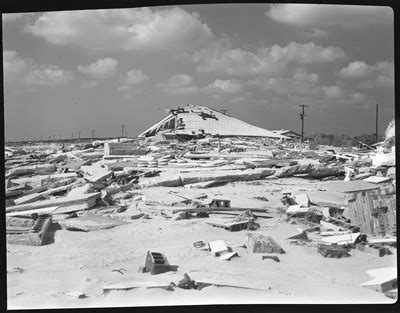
[(105, 184)]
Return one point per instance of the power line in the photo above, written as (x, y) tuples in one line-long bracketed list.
[(376, 122), (302, 120)]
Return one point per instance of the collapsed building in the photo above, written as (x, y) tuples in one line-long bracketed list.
[(194, 121)]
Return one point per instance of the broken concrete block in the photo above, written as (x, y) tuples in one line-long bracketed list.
[(384, 279), (227, 256), (218, 247), (256, 243), (297, 210), (302, 199), (377, 250), (332, 251), (157, 263), (272, 257)]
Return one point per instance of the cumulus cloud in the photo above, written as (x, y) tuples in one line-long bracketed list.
[(346, 16), (102, 68), (89, 83), (179, 84), (332, 92), (130, 81), (17, 69), (47, 76), (13, 65), (379, 75), (226, 86), (266, 60), (356, 69), (139, 29), (134, 77)]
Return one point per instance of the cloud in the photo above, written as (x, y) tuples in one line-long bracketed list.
[(379, 75), (332, 92), (134, 77), (139, 29), (179, 84), (102, 68), (13, 65), (346, 16), (272, 60), (47, 76), (356, 69), (26, 71), (89, 83), (226, 86), (131, 79), (299, 83), (316, 33)]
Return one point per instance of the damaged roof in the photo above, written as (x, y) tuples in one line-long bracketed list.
[(193, 120)]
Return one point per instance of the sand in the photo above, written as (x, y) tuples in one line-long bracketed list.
[(84, 261)]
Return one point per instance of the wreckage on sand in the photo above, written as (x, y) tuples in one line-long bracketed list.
[(199, 121)]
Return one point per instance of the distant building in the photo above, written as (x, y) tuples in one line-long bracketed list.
[(288, 133), (199, 121)]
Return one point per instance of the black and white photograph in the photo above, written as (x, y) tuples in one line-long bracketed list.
[(200, 154)]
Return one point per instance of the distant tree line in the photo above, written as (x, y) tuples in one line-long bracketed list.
[(343, 140)]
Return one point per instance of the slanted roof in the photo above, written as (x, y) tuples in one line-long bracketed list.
[(195, 120)]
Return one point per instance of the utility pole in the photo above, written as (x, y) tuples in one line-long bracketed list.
[(49, 137), (376, 123), (79, 134), (72, 136), (302, 120), (93, 130), (122, 130)]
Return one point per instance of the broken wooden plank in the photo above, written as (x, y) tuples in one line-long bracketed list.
[(56, 190), (347, 186), (48, 210), (329, 198), (29, 198), (53, 202), (191, 178), (210, 210), (377, 179), (228, 225), (136, 284), (91, 222), (342, 239), (34, 169)]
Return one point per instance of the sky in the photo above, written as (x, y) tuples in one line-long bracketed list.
[(71, 71)]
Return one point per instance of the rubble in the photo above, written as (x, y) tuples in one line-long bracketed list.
[(341, 201)]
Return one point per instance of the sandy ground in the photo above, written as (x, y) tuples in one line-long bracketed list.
[(84, 261)]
